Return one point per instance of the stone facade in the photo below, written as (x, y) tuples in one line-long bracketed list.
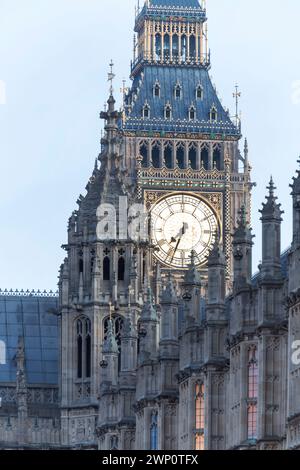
[(154, 354)]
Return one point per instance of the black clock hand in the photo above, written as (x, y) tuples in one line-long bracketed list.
[(179, 240)]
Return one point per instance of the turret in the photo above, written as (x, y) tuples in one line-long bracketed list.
[(169, 321), (296, 209), (216, 283), (109, 364), (271, 217), (242, 252), (191, 290), (148, 329)]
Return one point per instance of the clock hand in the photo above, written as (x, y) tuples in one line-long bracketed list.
[(179, 240)]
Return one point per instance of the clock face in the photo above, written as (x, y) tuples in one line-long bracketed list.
[(180, 224)]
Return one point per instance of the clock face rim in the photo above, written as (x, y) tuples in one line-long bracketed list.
[(154, 235)]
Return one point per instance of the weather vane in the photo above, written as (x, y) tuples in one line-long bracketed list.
[(111, 76), (237, 95)]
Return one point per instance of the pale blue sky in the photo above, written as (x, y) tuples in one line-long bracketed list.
[(54, 57)]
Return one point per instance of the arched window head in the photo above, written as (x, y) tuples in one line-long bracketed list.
[(213, 114), (156, 90), (199, 415), (154, 431), (192, 113), (146, 111), (199, 92), (106, 268), (177, 91), (252, 392), (168, 112), (121, 268), (84, 348)]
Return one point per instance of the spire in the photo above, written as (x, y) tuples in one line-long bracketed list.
[(271, 210), (192, 275), (243, 232), (149, 312), (110, 345), (169, 295), (216, 256), (296, 183)]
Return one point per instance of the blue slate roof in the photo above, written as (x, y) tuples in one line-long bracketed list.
[(34, 318), (168, 76), (175, 3)]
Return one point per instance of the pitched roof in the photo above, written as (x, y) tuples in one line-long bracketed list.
[(34, 319), (189, 78)]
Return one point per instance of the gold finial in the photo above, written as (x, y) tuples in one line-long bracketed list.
[(111, 76), (237, 95)]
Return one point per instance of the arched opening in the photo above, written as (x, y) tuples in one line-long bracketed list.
[(146, 111), (154, 431), (183, 48), (217, 159), (192, 113), (144, 155), (80, 266), (168, 112), (106, 269), (177, 91), (192, 47), (84, 348), (200, 416), (155, 155), (2, 353), (193, 157), (204, 158), (158, 46), (180, 156), (166, 47), (168, 155), (121, 269), (199, 92), (157, 90), (175, 47), (213, 114)]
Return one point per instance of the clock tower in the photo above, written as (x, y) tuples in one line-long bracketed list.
[(181, 145)]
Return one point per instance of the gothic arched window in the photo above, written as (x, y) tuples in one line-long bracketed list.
[(84, 348), (175, 47), (156, 90), (199, 92), (204, 158), (180, 156), (80, 266), (146, 111), (121, 269), (177, 91), (156, 155), (154, 431), (158, 46), (192, 113), (144, 154), (192, 47), (193, 156), (106, 269), (217, 158), (168, 155), (168, 112), (213, 114), (200, 416), (166, 47), (252, 392), (183, 47)]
